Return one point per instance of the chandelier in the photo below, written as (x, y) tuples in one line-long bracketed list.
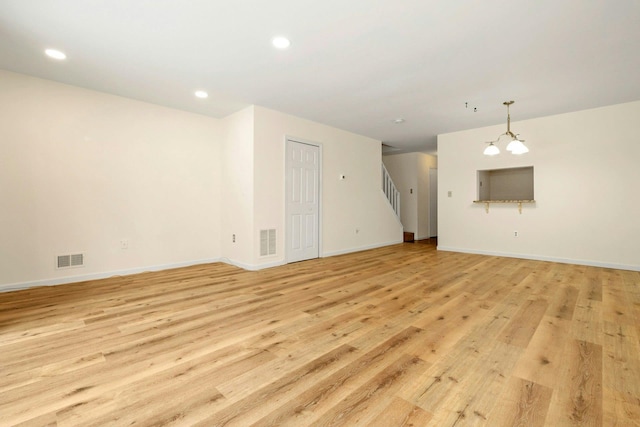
[(515, 146)]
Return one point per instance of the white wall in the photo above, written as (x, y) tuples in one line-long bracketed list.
[(237, 204), (81, 170), (410, 171), (586, 187), (356, 202)]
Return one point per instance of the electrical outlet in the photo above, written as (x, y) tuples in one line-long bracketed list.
[(449, 193), (233, 238), (124, 244), (515, 234)]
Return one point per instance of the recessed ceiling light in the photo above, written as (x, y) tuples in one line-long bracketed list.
[(281, 42), (55, 54), (398, 120), (201, 94)]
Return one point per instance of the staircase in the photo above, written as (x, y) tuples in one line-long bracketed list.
[(390, 190)]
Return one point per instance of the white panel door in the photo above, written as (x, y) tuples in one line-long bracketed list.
[(302, 198)]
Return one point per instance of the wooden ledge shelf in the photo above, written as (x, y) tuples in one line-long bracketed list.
[(518, 202)]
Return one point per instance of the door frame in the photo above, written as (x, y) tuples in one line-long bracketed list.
[(287, 220)]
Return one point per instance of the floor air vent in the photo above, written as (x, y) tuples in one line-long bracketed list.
[(69, 261), (268, 242)]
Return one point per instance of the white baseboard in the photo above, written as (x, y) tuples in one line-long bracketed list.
[(104, 275), (96, 276), (544, 258), (252, 267), (360, 248)]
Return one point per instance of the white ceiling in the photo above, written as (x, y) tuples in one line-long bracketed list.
[(352, 64)]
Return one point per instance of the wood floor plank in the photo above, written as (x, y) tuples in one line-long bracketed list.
[(577, 399), (358, 408), (46, 420), (288, 363), (617, 300), (322, 396), (524, 324), (394, 336), (563, 302), (620, 409), (468, 391), (541, 362), (400, 413), (445, 326), (522, 404), (587, 321), (621, 347)]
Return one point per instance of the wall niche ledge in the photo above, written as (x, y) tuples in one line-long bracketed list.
[(518, 202)]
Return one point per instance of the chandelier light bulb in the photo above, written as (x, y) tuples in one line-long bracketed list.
[(519, 148), (491, 150)]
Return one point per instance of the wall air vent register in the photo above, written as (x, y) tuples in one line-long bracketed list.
[(268, 242), (70, 261)]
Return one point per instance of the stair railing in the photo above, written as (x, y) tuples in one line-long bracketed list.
[(390, 190)]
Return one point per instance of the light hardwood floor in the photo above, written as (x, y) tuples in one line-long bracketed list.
[(398, 336)]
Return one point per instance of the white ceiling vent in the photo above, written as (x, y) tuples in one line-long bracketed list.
[(69, 261), (268, 242)]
